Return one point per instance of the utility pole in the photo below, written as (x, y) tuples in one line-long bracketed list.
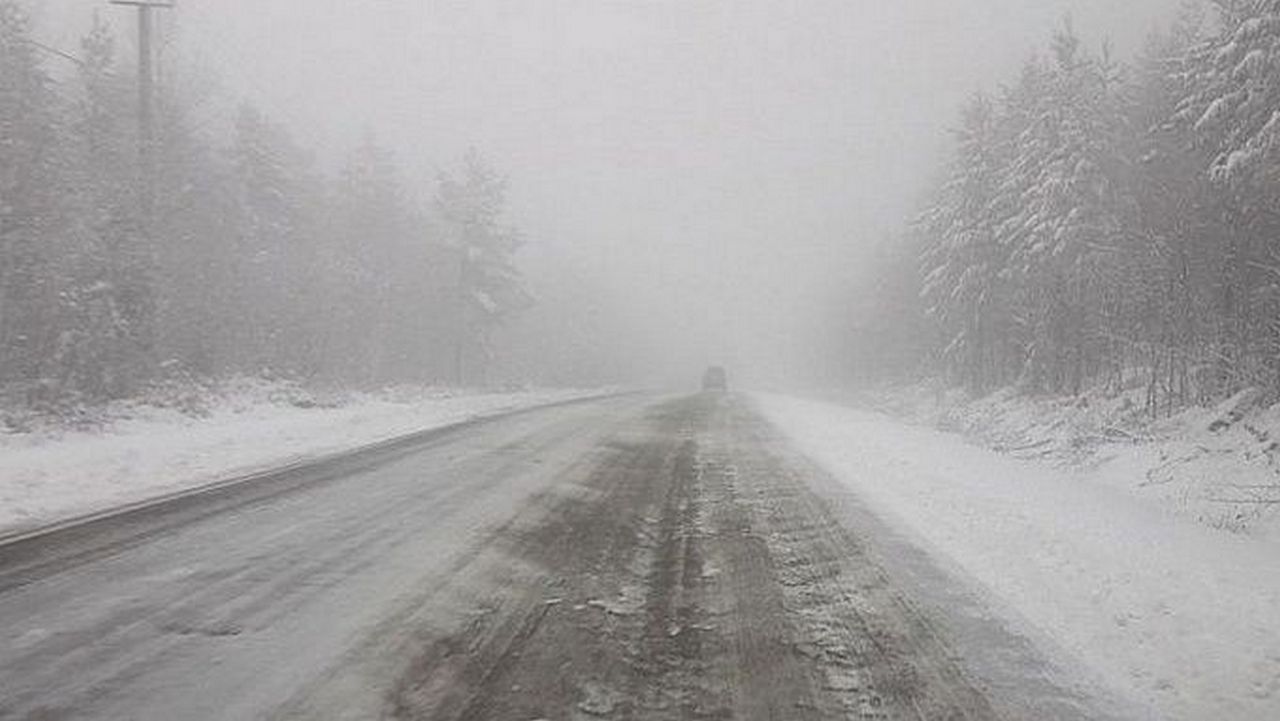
[(141, 311), (146, 104)]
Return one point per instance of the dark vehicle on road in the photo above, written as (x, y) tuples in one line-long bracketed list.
[(714, 379)]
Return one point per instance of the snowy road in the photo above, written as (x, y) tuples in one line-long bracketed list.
[(629, 557)]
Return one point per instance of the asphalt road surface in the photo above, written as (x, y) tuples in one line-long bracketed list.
[(626, 558)]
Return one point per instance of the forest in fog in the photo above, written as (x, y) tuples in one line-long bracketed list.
[(1100, 221), (125, 262), (1106, 224)]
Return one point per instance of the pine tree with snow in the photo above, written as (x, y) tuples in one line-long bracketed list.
[(965, 260), (1232, 108), (1170, 310), (31, 214), (274, 258), (1067, 234), (367, 228), (489, 290), (107, 301)]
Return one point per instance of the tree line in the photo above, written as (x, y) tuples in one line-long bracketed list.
[(247, 260), (1108, 224)]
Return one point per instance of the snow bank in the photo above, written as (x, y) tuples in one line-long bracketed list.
[(140, 451), (1218, 465), (1184, 617)]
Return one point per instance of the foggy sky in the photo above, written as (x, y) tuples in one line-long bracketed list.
[(719, 168)]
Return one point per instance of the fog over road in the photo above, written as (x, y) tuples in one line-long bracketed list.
[(630, 557)]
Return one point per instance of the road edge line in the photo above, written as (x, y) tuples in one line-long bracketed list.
[(265, 475)]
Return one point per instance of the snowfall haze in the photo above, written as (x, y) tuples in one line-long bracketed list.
[(696, 183), (654, 359)]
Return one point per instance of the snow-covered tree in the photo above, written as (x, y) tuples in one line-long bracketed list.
[(31, 192), (966, 261), (1232, 108), (488, 288), (1235, 102), (106, 326), (252, 261), (1027, 235), (1067, 232), (274, 270)]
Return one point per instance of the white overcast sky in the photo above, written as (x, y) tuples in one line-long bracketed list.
[(719, 164)]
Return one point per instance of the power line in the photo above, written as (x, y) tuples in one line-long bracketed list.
[(54, 51)]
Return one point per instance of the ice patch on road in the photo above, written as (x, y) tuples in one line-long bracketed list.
[(1184, 617)]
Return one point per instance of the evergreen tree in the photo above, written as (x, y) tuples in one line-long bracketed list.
[(107, 300), (1235, 100), (252, 261), (1233, 109), (964, 287), (274, 272), (370, 224), (1067, 234), (488, 286), (31, 216)]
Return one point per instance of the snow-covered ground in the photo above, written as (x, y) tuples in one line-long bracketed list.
[(1182, 616), (1219, 465), (140, 450)]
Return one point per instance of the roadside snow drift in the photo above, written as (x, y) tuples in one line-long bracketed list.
[(49, 475), (1183, 617)]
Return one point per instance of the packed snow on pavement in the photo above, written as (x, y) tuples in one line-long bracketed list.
[(1180, 616), (139, 450)]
